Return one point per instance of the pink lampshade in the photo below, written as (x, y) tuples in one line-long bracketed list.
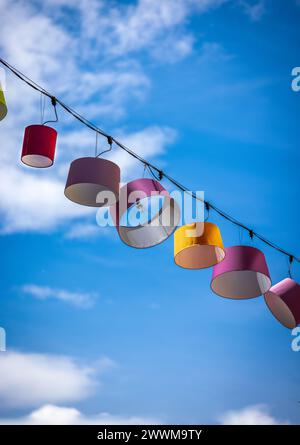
[(242, 274), (283, 300), (158, 224)]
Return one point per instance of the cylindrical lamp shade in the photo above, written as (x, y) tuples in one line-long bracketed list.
[(283, 300), (93, 182), (243, 274), (3, 107), (198, 245), (39, 146), (146, 214)]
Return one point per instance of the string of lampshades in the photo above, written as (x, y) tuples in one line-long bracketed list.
[(239, 272)]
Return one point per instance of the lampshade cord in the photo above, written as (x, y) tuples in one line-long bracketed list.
[(53, 102), (207, 208), (160, 174), (96, 144), (240, 236), (110, 142), (291, 258), (42, 107), (144, 170)]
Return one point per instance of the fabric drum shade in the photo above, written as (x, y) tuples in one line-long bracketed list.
[(283, 300), (198, 245), (243, 274), (93, 182), (160, 213), (39, 146), (3, 107)]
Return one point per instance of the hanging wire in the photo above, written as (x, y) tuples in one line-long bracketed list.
[(53, 102), (158, 175), (155, 171), (110, 142), (144, 170), (207, 208), (240, 236), (96, 145), (42, 107), (291, 259)]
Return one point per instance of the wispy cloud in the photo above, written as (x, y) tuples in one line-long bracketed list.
[(255, 11), (125, 29), (250, 415), (80, 299), (86, 230), (30, 379)]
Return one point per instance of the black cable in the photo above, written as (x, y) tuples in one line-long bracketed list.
[(158, 175)]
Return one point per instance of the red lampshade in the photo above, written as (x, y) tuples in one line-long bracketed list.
[(39, 146)]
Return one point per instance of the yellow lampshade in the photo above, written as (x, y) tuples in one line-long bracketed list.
[(3, 107), (198, 245)]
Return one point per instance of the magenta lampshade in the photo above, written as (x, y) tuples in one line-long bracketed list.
[(39, 146), (283, 300), (158, 213), (242, 274), (88, 177)]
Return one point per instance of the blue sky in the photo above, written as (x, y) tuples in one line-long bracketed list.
[(202, 88)]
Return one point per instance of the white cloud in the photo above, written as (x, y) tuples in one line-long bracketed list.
[(80, 299), (58, 415), (30, 202), (85, 230), (173, 49), (251, 415), (30, 379), (43, 381), (122, 29), (149, 142)]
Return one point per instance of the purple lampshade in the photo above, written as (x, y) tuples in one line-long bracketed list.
[(283, 300), (93, 182), (242, 274), (160, 213)]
